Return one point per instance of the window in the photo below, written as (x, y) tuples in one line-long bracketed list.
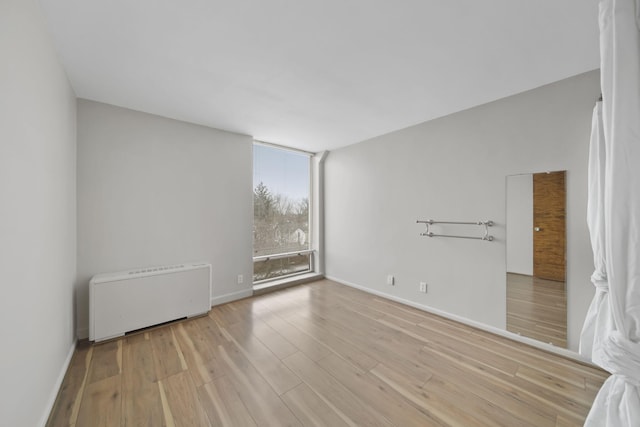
[(281, 183)]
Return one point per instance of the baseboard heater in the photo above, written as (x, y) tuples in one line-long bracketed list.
[(131, 300)]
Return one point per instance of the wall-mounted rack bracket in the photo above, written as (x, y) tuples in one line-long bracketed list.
[(428, 223)]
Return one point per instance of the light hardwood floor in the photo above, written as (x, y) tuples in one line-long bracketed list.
[(321, 354), (537, 308)]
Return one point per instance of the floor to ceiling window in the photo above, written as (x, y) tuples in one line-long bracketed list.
[(281, 232)]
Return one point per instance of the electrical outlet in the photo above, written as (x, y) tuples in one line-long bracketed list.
[(240, 279), (390, 280), (423, 287)]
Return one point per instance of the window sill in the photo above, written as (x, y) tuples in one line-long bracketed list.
[(277, 284)]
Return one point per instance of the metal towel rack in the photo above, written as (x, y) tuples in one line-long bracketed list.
[(430, 222)]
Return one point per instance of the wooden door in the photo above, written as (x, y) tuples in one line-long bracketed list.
[(549, 226)]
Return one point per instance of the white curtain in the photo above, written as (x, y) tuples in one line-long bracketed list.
[(598, 319), (611, 335)]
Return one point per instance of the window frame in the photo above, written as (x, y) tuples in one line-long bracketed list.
[(310, 251)]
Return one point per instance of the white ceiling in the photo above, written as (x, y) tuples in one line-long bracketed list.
[(320, 74)]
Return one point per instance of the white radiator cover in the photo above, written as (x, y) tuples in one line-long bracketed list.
[(129, 300)]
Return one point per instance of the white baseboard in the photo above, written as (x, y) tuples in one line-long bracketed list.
[(57, 385), (510, 335), (221, 299)]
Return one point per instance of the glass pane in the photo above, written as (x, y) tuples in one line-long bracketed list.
[(273, 268), (280, 201)]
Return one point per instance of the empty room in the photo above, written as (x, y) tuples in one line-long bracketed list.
[(320, 213)]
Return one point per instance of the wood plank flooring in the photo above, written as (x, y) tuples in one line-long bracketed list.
[(321, 354), (537, 308)]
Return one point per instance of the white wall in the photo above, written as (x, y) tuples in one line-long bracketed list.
[(454, 168), (155, 191), (37, 216), (519, 220), (317, 210)]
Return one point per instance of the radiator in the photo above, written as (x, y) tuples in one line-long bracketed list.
[(130, 300)]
